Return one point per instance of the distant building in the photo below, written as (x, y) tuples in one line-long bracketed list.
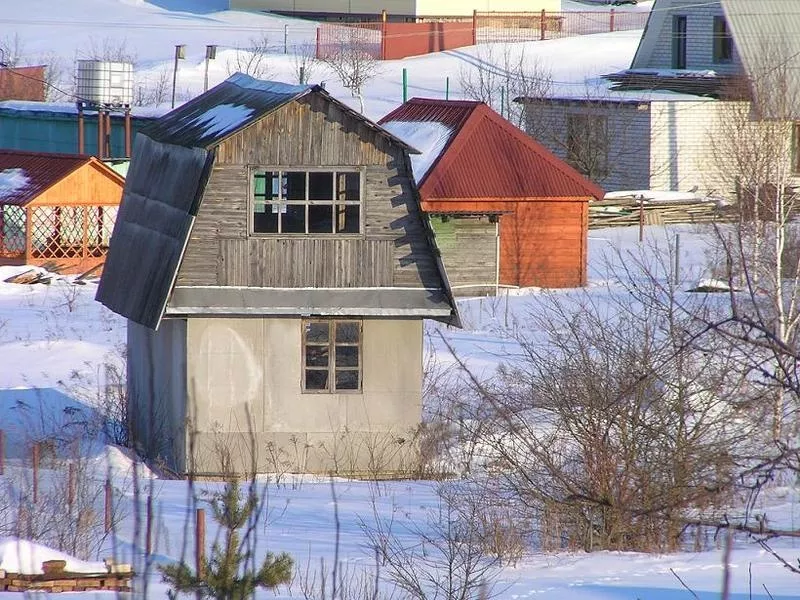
[(23, 83), (506, 211), (398, 10), (56, 210), (658, 125), (53, 127)]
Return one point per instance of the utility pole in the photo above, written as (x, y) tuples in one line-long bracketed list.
[(211, 54), (180, 53)]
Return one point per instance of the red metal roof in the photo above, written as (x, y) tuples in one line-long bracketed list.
[(25, 175), (489, 158)]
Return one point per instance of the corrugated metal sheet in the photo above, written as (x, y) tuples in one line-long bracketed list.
[(23, 83), (487, 157), (40, 170), (767, 37), (161, 198)]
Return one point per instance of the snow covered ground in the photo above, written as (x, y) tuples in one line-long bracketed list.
[(55, 338)]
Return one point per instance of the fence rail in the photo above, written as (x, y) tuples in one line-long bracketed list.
[(386, 40), (625, 213)]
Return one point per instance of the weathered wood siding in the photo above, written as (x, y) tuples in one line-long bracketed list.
[(543, 244), (469, 252), (391, 251)]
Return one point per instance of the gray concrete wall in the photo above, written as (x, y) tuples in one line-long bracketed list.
[(157, 389), (245, 374)]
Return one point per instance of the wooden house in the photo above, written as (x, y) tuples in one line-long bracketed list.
[(56, 209), (275, 268), (506, 211)]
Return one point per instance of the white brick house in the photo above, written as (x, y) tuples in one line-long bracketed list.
[(660, 124)]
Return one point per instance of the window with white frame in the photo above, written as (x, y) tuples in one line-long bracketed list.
[(331, 355), (306, 202)]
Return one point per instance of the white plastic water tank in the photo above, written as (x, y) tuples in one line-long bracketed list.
[(105, 82)]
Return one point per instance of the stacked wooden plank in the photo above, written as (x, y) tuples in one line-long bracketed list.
[(55, 579), (624, 212)]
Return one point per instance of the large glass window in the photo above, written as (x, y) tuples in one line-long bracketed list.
[(679, 41), (331, 356), (307, 202), (723, 42)]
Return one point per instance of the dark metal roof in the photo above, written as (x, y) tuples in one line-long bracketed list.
[(240, 100), (489, 158), (161, 198), (26, 175), (700, 83)]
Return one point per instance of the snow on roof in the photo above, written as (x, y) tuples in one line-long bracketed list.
[(429, 137), (70, 108), (222, 118), (12, 181)]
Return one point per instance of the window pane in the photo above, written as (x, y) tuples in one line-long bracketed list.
[(317, 333), (316, 379), (319, 218), (265, 219), (260, 184), (346, 356), (320, 186), (294, 219), (346, 380), (348, 186), (347, 332), (317, 356), (295, 182), (274, 177), (348, 219)]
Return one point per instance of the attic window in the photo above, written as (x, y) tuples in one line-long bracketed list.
[(306, 202), (723, 42)]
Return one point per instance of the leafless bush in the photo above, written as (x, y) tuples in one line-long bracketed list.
[(252, 60), (353, 62), (441, 559), (152, 89), (12, 50), (497, 80), (615, 427), (108, 48), (305, 63)]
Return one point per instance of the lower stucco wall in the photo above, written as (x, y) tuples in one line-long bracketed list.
[(157, 391), (245, 375)]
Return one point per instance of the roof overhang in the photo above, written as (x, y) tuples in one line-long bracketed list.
[(329, 302)]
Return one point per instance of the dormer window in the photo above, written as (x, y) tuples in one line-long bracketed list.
[(679, 41), (306, 202), (723, 42)]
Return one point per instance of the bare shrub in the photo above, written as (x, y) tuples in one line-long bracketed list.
[(615, 427), (252, 60), (12, 50), (305, 63), (353, 62), (442, 558), (152, 89), (498, 79)]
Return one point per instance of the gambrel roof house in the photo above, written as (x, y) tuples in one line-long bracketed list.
[(658, 124), (506, 211), (275, 268)]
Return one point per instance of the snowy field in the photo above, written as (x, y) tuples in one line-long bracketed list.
[(59, 32), (54, 339), (56, 342)]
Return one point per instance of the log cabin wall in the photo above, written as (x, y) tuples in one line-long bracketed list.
[(469, 252), (391, 250), (543, 244)]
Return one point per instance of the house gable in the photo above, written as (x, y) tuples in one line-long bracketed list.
[(658, 42), (391, 251), (90, 184), (187, 214)]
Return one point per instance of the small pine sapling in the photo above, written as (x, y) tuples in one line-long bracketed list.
[(229, 573)]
